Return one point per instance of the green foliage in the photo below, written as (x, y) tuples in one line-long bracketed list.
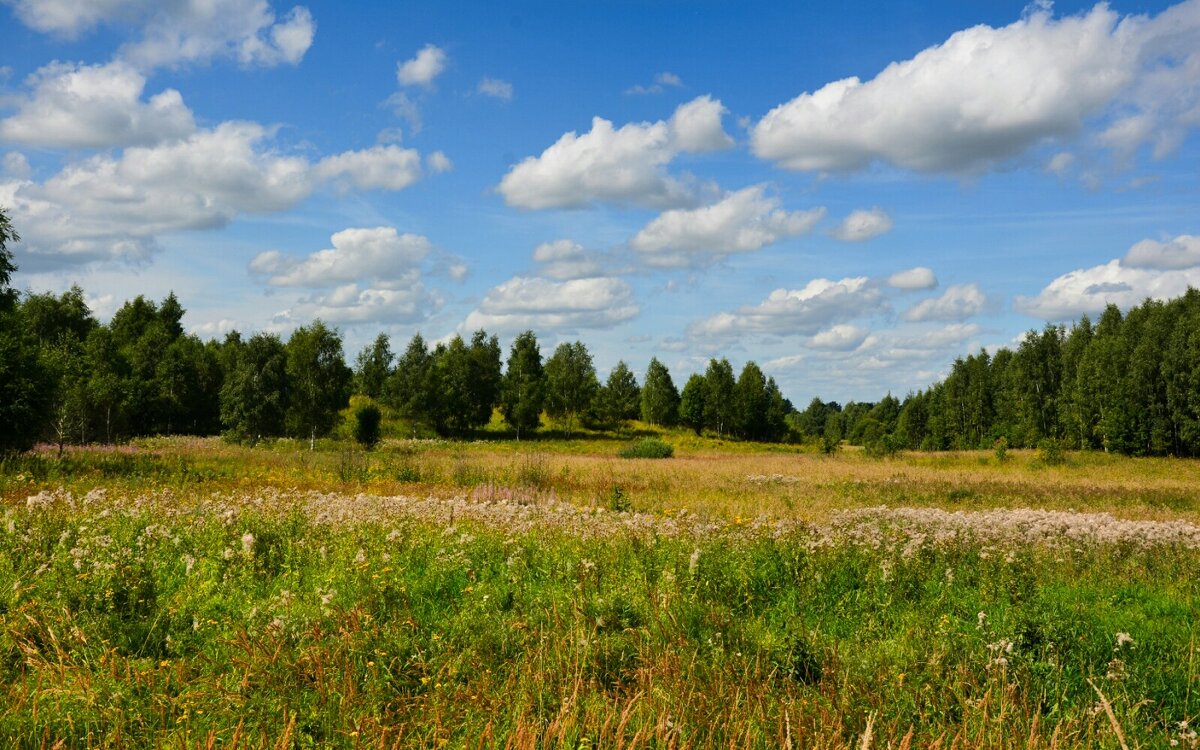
[(523, 390), (318, 381), (1000, 449), (571, 383), (647, 448), (693, 403), (660, 398), (254, 396), (373, 367), (720, 406), (619, 399), (1051, 453), (367, 419)]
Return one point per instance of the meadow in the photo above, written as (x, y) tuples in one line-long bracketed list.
[(181, 592)]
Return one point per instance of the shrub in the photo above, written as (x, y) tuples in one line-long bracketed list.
[(366, 425), (1051, 452), (1001, 449), (647, 448)]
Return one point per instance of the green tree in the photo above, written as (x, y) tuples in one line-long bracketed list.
[(523, 390), (254, 394), (373, 367), (412, 390), (750, 401), (367, 419), (660, 397), (719, 402), (484, 378), (570, 383), (620, 399), (26, 388), (692, 403), (318, 380)]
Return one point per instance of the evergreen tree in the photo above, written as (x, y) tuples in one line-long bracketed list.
[(660, 398), (751, 402), (523, 390), (571, 383), (318, 381)]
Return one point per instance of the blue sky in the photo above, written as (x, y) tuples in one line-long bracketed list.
[(851, 195)]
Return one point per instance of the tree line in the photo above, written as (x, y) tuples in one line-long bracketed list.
[(67, 378), (1129, 383)]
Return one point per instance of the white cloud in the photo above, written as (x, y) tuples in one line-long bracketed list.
[(661, 82), (542, 304), (842, 337), (741, 222), (94, 106), (197, 32), (987, 95), (375, 168), (1177, 254), (111, 207), (405, 108), (429, 62), (182, 32), (1060, 163), (863, 224), (438, 162), (351, 304), (1090, 290), (625, 165), (16, 166), (379, 253), (958, 302), (564, 259), (496, 88), (820, 304), (913, 279)]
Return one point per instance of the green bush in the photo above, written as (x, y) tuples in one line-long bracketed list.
[(647, 448), (366, 425)]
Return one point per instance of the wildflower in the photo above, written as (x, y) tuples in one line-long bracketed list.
[(188, 562), (1123, 639), (361, 557), (694, 562), (247, 543)]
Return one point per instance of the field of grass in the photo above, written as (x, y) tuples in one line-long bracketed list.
[(191, 593)]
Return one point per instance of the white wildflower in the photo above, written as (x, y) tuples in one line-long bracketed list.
[(247, 543)]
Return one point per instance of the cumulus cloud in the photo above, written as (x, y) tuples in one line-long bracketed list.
[(913, 279), (958, 302), (622, 165), (177, 32), (351, 304), (987, 95), (820, 304), (741, 222), (1090, 290), (661, 82), (495, 88), (378, 253), (15, 165), (842, 337), (429, 62), (438, 162), (94, 106), (565, 259), (110, 207), (544, 304), (863, 224), (1177, 254)]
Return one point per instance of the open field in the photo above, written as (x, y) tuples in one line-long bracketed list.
[(191, 593)]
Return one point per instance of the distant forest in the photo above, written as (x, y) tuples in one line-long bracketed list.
[(1128, 384)]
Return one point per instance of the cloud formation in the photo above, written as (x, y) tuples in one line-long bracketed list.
[(661, 82), (918, 278), (427, 65), (495, 88), (619, 165), (565, 259), (378, 253), (171, 33), (94, 106), (957, 303), (1173, 255), (987, 95), (113, 208), (820, 304), (863, 224), (741, 222), (1089, 290), (546, 305)]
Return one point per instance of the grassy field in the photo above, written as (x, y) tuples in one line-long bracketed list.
[(192, 593)]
